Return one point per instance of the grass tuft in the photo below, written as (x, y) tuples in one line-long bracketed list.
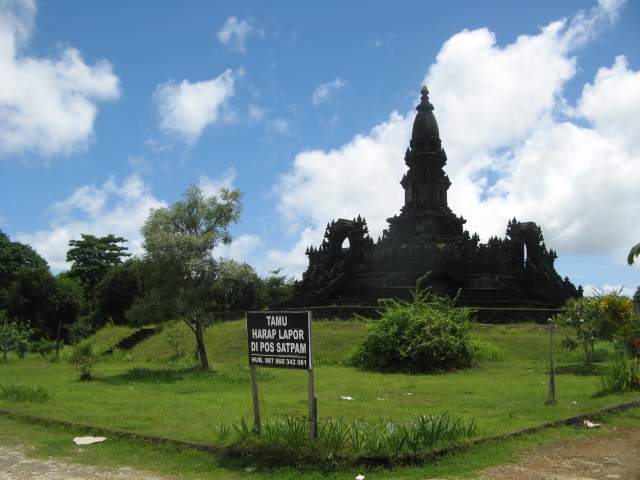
[(289, 436), (23, 393)]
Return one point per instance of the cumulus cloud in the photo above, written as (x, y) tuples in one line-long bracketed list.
[(234, 33), (611, 103), (118, 208), (240, 248), (591, 290), (47, 105), (187, 108), (512, 149), (212, 186), (325, 91)]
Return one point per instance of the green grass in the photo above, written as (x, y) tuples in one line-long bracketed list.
[(110, 335), (149, 393), (189, 464), (23, 393)]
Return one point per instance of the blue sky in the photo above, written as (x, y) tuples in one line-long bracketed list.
[(110, 109)]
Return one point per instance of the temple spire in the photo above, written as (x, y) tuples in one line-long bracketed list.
[(425, 128)]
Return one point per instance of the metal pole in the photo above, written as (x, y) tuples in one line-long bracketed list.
[(552, 377), (256, 403), (313, 408)]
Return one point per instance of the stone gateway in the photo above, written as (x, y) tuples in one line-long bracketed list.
[(426, 236)]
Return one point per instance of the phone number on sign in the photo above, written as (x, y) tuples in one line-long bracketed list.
[(287, 362)]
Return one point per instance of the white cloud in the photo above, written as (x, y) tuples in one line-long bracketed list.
[(256, 113), (118, 208), (121, 209), (280, 125), (590, 290), (213, 186), (234, 33), (500, 112), (47, 105), (611, 103), (139, 164), (240, 248), (325, 91), (186, 108)]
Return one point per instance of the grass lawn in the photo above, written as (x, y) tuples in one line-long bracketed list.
[(189, 464), (145, 392)]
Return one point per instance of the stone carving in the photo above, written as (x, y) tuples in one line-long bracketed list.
[(426, 236)]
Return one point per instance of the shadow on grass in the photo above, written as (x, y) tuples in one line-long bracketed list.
[(581, 369), (224, 374)]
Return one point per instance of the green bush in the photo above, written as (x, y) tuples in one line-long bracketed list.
[(84, 357), (179, 338), (43, 347), (429, 334)]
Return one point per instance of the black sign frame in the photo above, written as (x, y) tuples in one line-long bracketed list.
[(280, 339)]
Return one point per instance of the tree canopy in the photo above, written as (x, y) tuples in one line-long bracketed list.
[(633, 253), (91, 257), (15, 256), (179, 241)]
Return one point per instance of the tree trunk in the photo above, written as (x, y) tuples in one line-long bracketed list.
[(58, 335), (202, 352)]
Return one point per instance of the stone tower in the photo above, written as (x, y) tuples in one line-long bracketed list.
[(427, 237)]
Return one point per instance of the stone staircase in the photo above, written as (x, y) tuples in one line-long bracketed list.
[(132, 340)]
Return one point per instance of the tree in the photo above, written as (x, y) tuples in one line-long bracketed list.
[(92, 257), (118, 289), (179, 242), (275, 289), (44, 302), (633, 253), (236, 286), (15, 256), (13, 336)]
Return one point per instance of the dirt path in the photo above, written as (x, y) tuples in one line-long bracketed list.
[(15, 465), (612, 456)]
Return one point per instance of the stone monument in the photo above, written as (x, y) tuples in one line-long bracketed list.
[(426, 236)]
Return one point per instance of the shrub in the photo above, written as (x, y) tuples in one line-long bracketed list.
[(84, 357), (179, 338), (23, 393), (583, 315), (14, 337), (623, 377), (288, 436), (429, 334), (43, 347)]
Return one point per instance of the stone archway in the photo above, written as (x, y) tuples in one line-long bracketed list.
[(444, 285)]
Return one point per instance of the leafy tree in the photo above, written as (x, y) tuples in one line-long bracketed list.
[(583, 315), (92, 257), (236, 286), (15, 256), (275, 289), (633, 253), (44, 302), (179, 241), (118, 289), (13, 337)]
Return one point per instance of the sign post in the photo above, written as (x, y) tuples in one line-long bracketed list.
[(281, 339)]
